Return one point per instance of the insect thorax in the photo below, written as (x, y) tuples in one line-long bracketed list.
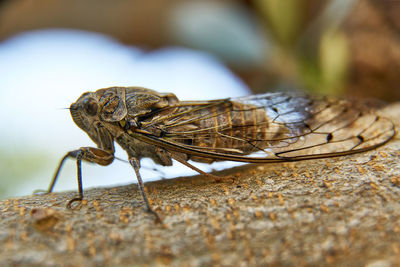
[(138, 149)]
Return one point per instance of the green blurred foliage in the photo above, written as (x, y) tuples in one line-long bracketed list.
[(284, 19), (327, 72), (308, 48), (18, 166)]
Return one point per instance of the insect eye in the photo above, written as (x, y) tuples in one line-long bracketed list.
[(90, 106)]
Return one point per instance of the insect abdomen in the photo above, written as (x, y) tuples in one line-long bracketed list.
[(234, 126)]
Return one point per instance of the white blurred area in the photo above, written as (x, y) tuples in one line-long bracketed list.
[(43, 72)]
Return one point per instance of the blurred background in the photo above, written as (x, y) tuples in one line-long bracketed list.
[(51, 51)]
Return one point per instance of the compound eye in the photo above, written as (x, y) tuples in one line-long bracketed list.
[(90, 106)]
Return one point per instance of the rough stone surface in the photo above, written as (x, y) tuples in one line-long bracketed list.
[(340, 211)]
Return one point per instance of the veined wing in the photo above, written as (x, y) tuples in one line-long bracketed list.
[(268, 128)]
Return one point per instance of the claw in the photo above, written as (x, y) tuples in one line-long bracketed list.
[(156, 217), (69, 204)]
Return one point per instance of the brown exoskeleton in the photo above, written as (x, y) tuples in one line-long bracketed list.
[(273, 127)]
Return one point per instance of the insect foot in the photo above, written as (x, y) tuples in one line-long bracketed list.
[(157, 218), (78, 206)]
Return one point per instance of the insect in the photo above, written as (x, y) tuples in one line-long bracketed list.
[(272, 127)]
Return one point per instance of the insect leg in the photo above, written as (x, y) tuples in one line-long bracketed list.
[(79, 177), (91, 154), (136, 166), (184, 162), (53, 181)]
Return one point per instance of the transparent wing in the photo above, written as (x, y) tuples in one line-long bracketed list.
[(269, 127)]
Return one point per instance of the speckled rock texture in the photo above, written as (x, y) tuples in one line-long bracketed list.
[(341, 211)]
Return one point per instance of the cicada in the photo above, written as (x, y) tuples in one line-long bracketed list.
[(271, 127)]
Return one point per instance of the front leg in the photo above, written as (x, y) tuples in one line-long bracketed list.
[(90, 154)]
